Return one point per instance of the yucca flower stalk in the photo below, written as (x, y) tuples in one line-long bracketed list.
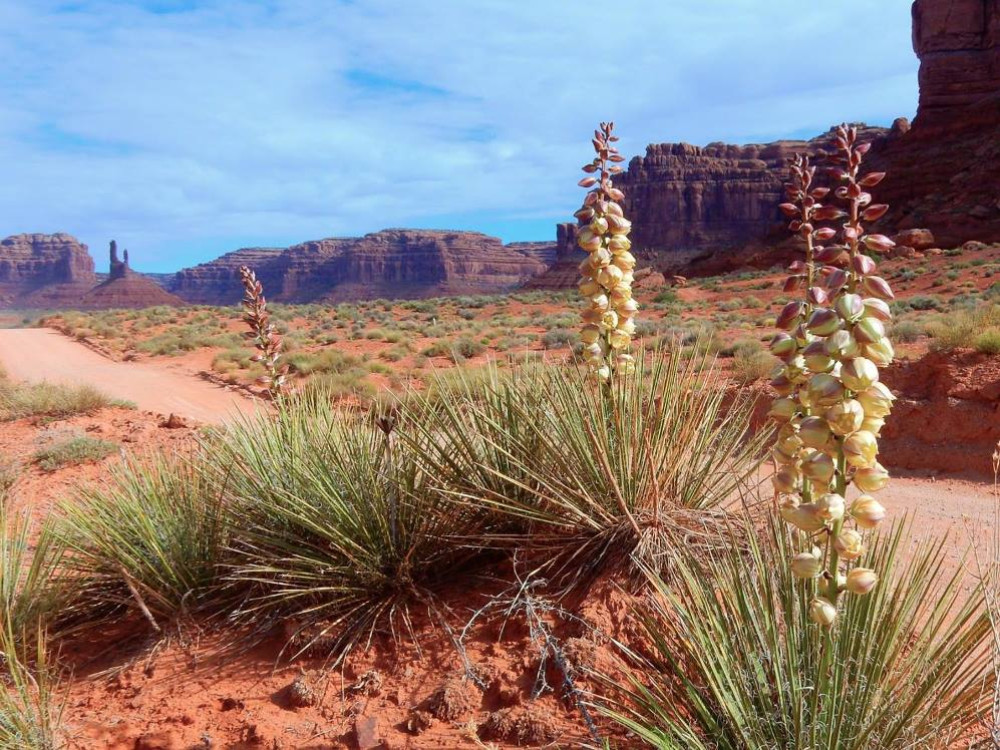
[(831, 403), (609, 319), (264, 335)]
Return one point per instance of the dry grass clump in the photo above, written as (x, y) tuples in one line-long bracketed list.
[(20, 400), (79, 449), (967, 329)]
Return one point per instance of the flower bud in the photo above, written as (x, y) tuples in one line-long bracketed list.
[(803, 517), (873, 425), (786, 480), (790, 315), (825, 389), (619, 244), (858, 374), (830, 506), (599, 225), (619, 339), (871, 479), (588, 287), (849, 544), (588, 241), (844, 417), (816, 358), (782, 384), (590, 334), (861, 581), (624, 260), (867, 511), (823, 322), (869, 330), (861, 449), (818, 466), (602, 373), (814, 432), (880, 352), (841, 345), (878, 309), (783, 345), (822, 611), (877, 287), (807, 564), (876, 400), (850, 307)]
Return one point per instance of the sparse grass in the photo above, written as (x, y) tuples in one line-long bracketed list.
[(73, 451), (961, 329), (20, 400)]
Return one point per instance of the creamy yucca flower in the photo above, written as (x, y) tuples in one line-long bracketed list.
[(831, 343), (607, 272)]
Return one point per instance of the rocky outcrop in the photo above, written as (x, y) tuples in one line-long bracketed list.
[(393, 263), (124, 288), (43, 270), (943, 171)]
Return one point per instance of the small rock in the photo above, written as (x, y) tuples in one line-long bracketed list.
[(231, 704), (455, 699), (418, 721), (174, 422), (164, 740), (918, 239), (366, 733), (300, 693)]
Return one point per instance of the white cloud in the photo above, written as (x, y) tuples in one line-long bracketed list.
[(181, 126)]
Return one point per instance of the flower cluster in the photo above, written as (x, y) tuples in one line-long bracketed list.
[(609, 319), (831, 404), (262, 332)]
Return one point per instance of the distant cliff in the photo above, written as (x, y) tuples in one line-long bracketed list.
[(393, 263), (44, 270), (943, 172)]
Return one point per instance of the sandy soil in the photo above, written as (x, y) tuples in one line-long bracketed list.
[(44, 354)]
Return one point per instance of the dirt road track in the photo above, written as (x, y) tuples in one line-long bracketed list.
[(37, 354)]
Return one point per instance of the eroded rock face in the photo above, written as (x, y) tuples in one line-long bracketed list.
[(943, 171), (393, 263), (53, 267)]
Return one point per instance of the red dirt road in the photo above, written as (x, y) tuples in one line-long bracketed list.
[(36, 354)]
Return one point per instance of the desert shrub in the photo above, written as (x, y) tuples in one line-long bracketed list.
[(19, 400), (906, 331), (29, 558), (559, 338), (961, 328), (751, 362), (738, 664), (341, 529), (597, 470), (79, 449), (666, 297), (988, 342), (156, 526), (337, 386)]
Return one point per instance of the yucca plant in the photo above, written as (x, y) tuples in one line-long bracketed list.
[(737, 664), (30, 714), (342, 532), (150, 539), (590, 470), (29, 559), (831, 404)]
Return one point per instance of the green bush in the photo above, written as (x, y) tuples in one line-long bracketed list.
[(73, 451), (988, 342), (19, 400)]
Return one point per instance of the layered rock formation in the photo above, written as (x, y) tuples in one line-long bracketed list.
[(393, 263), (125, 288), (944, 171), (44, 270)]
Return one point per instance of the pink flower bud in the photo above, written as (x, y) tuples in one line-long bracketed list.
[(850, 307), (823, 322), (861, 580), (867, 512), (876, 286)]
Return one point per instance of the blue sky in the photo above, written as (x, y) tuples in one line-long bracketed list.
[(188, 128)]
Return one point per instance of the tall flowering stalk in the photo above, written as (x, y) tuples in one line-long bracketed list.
[(264, 335), (609, 319), (831, 405)]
